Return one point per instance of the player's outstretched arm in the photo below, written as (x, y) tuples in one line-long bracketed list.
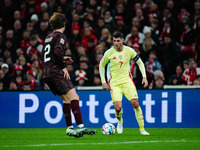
[(143, 71)]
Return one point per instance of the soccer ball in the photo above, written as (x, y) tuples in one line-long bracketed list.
[(108, 129)]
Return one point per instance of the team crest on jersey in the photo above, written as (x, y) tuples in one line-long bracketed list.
[(120, 57), (126, 56), (62, 41)]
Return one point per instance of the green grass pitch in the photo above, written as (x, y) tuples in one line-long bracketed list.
[(55, 139)]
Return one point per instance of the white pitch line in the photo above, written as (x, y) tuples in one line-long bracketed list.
[(107, 143)]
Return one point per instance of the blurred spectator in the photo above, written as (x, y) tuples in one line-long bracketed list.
[(18, 32), (159, 82), (25, 43), (26, 66), (97, 80), (88, 35), (34, 84), (43, 9), (9, 34), (121, 26), (196, 82), (29, 27), (185, 65), (100, 49), (79, 9), (1, 61), (19, 82), (9, 61), (91, 49), (135, 36), (35, 21), (1, 86), (75, 37), (121, 11), (166, 30), (155, 28), (176, 79), (17, 71), (188, 35), (147, 5), (98, 58), (26, 87), (106, 38), (100, 25), (141, 17), (169, 56), (80, 49), (35, 47), (152, 64), (43, 30), (13, 86), (5, 76), (104, 6), (76, 20), (171, 7), (183, 13), (158, 75), (7, 11), (136, 23), (190, 74), (109, 21), (148, 46)]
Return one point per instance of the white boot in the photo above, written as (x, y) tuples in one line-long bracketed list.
[(144, 132), (120, 127)]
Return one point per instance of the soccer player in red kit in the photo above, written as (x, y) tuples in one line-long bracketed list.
[(56, 76)]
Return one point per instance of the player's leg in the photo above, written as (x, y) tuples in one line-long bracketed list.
[(118, 114), (116, 95), (74, 99), (70, 131), (139, 115), (58, 87), (131, 94)]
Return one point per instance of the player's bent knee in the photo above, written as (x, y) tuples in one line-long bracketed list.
[(118, 108), (135, 103)]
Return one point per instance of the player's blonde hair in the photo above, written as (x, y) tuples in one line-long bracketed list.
[(57, 20)]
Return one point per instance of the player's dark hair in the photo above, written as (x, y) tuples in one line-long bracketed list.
[(118, 35), (57, 21)]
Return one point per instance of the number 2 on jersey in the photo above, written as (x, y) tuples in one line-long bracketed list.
[(46, 52)]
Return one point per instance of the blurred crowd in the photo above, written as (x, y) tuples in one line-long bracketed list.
[(164, 33)]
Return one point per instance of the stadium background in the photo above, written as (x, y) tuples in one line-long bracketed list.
[(25, 21)]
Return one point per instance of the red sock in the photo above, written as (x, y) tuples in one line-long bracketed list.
[(67, 114), (76, 111)]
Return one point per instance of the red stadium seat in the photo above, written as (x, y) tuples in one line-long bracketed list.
[(187, 52)]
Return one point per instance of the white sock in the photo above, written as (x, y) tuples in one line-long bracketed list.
[(71, 126), (80, 126)]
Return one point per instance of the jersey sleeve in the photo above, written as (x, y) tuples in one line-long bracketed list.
[(102, 65), (133, 54), (59, 48)]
